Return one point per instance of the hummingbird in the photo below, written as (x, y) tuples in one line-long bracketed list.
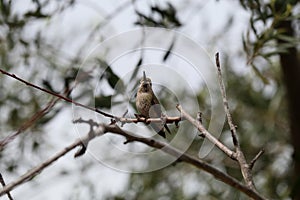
[(148, 105)]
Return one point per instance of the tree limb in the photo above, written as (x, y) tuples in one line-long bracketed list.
[(115, 129), (260, 153), (3, 184), (245, 167)]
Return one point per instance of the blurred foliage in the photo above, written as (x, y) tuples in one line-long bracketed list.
[(261, 38), (159, 17), (28, 52), (20, 51), (28, 55)]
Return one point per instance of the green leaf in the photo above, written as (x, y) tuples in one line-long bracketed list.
[(260, 75), (245, 44), (113, 79), (288, 39), (169, 50)]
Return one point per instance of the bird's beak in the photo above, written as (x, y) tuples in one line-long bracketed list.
[(144, 76)]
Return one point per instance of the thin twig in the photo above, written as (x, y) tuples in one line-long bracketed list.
[(3, 185), (38, 115), (260, 153), (34, 118), (199, 118), (57, 95), (36, 170), (225, 102)]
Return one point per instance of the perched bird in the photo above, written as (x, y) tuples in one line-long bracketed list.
[(148, 105)]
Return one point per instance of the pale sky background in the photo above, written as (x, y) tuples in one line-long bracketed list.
[(69, 28)]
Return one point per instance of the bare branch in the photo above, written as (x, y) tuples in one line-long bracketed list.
[(57, 95), (3, 185), (245, 167), (260, 153), (199, 118), (113, 128), (123, 120), (36, 170), (33, 119), (225, 102), (38, 115), (166, 119), (207, 134), (184, 157)]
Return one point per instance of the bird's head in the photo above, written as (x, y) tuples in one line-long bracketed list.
[(145, 84)]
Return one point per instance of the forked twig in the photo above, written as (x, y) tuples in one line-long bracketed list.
[(258, 155), (3, 185)]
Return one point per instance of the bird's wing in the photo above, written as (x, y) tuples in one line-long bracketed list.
[(154, 100), (155, 110)]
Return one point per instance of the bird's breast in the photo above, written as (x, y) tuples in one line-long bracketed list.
[(143, 103)]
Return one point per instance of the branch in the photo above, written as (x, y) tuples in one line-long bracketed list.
[(38, 115), (184, 157), (35, 117), (253, 161), (57, 95), (36, 170), (237, 155), (123, 120), (225, 102), (168, 120), (52, 102), (3, 184), (113, 128), (245, 167), (207, 134)]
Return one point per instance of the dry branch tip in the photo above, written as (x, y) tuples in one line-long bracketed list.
[(258, 155)]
